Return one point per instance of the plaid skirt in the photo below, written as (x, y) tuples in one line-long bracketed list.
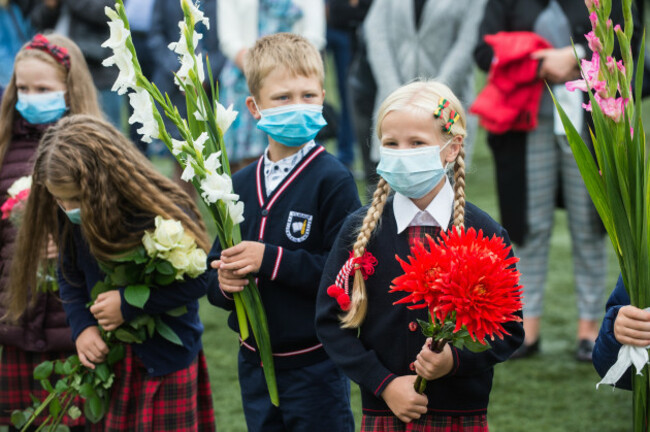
[(17, 382), (427, 423), (180, 401)]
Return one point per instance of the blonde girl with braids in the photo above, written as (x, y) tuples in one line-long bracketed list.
[(50, 79), (95, 194), (421, 127)]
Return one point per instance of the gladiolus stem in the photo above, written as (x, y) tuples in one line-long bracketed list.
[(436, 346)]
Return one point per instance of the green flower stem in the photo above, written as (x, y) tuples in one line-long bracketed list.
[(241, 317), (436, 346), (39, 410)]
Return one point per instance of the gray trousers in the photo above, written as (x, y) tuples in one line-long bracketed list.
[(548, 157)]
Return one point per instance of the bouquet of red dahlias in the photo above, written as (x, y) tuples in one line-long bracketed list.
[(469, 284)]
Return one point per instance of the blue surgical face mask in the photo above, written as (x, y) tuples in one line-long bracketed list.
[(41, 108), (412, 172), (292, 125), (74, 215)]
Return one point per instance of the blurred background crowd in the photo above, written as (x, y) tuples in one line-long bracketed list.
[(372, 48)]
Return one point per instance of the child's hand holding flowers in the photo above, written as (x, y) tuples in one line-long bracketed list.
[(431, 365), (106, 310)]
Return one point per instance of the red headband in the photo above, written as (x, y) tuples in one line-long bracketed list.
[(59, 53)]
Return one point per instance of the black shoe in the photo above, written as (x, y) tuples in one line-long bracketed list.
[(585, 348), (525, 351)]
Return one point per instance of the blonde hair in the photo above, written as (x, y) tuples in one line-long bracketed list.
[(288, 50), (81, 94), (120, 193), (421, 96)]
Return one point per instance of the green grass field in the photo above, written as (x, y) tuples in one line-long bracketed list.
[(550, 392)]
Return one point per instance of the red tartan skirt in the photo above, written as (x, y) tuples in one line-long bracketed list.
[(17, 382), (427, 423), (179, 402)]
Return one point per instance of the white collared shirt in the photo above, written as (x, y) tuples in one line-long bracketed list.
[(437, 213), (275, 172)]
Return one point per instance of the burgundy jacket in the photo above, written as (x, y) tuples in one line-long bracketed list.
[(43, 327)]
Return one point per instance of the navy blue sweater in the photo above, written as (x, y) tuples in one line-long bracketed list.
[(386, 345), (78, 274), (606, 349), (298, 223)]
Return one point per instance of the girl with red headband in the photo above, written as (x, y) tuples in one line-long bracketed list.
[(50, 79)]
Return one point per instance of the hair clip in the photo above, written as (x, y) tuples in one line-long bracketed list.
[(453, 118), (60, 54), (340, 289), (442, 104)]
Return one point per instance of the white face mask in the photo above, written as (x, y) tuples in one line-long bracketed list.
[(412, 172)]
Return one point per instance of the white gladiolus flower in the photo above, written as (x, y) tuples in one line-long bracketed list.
[(197, 263), (119, 33), (111, 14), (180, 47), (123, 59), (217, 187), (178, 146), (188, 172), (225, 117), (199, 115), (20, 185), (213, 162), (236, 211), (143, 113), (199, 143), (197, 15)]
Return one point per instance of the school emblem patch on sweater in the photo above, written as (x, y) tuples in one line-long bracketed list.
[(298, 226)]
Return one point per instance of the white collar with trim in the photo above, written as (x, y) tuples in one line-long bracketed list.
[(437, 213)]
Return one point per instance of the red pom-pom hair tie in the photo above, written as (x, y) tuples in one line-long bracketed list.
[(340, 290)]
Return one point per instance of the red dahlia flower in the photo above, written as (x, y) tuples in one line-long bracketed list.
[(466, 279)]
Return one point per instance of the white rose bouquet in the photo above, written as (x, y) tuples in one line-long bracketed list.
[(200, 151), (167, 254)]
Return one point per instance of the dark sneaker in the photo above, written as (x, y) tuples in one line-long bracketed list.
[(525, 351), (585, 348)]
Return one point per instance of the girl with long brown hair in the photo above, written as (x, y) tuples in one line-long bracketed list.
[(95, 194), (421, 127), (50, 79)]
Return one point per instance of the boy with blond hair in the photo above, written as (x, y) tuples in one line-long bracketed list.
[(296, 197)]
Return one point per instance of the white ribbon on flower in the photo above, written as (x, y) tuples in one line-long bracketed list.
[(628, 355)]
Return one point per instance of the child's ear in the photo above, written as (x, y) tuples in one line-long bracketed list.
[(252, 108), (454, 148)]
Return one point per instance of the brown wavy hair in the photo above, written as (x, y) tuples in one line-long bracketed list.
[(120, 194), (81, 95)]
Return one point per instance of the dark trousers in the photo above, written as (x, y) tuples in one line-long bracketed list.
[(314, 398)]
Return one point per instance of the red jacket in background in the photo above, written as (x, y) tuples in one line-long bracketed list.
[(510, 100)]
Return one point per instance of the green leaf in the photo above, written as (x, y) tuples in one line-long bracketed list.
[(137, 255), (165, 268), (87, 391), (126, 336), (115, 354), (55, 407), (58, 368), (102, 371), (71, 364), (61, 386), (18, 419), (137, 295), (180, 311), (47, 385), (94, 409), (43, 370), (165, 331), (163, 280), (119, 275), (74, 412), (471, 344)]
